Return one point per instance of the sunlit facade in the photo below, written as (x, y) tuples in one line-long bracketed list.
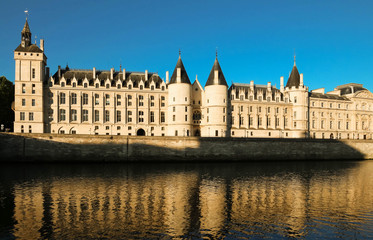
[(97, 102)]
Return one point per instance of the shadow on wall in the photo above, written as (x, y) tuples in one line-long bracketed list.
[(86, 148)]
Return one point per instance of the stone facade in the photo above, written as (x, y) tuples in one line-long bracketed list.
[(97, 102)]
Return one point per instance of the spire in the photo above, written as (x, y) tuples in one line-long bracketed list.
[(295, 59), (216, 53), (220, 77), (294, 78), (183, 74), (26, 35)]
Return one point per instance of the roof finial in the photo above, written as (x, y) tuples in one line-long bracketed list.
[(179, 52), (120, 66), (295, 58), (216, 53), (26, 13)]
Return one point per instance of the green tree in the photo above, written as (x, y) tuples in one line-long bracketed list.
[(6, 100)]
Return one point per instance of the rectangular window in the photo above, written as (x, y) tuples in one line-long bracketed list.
[(31, 116), (186, 109), (62, 115), (174, 109), (216, 133), (141, 101), (62, 98), (129, 102), (22, 116), (33, 73), (260, 121), (163, 101), (85, 115), (107, 115), (347, 125), (33, 88), (173, 118), (119, 100), (97, 115), (141, 116), (74, 115), (85, 99), (152, 101), (119, 116), (186, 118), (23, 102), (223, 118), (107, 99), (152, 117), (23, 88), (97, 99), (73, 98), (163, 117), (129, 116)]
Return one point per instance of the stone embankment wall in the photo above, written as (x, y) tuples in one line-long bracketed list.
[(88, 148)]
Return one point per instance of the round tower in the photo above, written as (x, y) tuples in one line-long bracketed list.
[(215, 103), (179, 102)]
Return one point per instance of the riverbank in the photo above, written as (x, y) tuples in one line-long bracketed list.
[(102, 148)]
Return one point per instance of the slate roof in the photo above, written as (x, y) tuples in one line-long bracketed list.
[(184, 75), (257, 88), (221, 78), (81, 74), (348, 90), (294, 79), (31, 48), (328, 96), (26, 28)]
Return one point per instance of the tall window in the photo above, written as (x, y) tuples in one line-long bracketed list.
[(23, 102), (97, 115), (31, 116), (23, 88), (73, 98), (85, 98), (152, 116), (33, 88), (152, 101), (163, 101), (141, 100), (62, 98), (129, 100), (33, 73), (97, 99), (163, 117), (119, 115), (62, 115), (129, 116), (141, 116), (22, 116), (119, 99), (107, 99), (73, 115), (85, 115), (107, 115)]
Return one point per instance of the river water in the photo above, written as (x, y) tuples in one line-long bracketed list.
[(307, 200)]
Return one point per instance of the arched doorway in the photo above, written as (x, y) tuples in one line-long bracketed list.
[(197, 133), (140, 132), (331, 136)]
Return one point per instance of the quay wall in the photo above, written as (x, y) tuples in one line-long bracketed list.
[(16, 147)]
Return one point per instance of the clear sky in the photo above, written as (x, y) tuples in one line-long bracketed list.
[(333, 39)]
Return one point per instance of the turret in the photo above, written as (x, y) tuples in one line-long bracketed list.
[(215, 103), (179, 102)]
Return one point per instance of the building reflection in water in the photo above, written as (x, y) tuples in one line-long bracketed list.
[(297, 203)]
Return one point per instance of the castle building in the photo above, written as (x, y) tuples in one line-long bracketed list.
[(109, 102)]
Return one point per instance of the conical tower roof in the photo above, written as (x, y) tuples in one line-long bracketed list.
[(221, 78), (184, 75), (294, 79), (26, 28)]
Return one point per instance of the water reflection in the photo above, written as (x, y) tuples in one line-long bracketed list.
[(296, 200)]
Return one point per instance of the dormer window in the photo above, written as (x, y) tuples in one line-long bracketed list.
[(129, 86), (85, 85), (97, 85), (62, 84), (141, 87), (74, 84)]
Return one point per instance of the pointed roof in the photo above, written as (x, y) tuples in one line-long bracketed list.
[(294, 78), (221, 78), (184, 75), (26, 28)]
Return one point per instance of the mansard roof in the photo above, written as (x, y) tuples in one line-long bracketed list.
[(328, 96), (81, 74), (221, 78), (294, 79), (257, 88), (184, 75), (31, 48)]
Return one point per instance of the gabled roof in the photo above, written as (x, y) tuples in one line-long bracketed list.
[(184, 75), (294, 79), (221, 78), (26, 28), (31, 48)]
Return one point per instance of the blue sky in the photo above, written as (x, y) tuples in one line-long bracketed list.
[(333, 40)]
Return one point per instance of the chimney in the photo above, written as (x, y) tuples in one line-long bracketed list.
[(59, 71), (42, 44), (252, 85), (269, 86), (301, 80), (167, 77), (124, 74), (146, 75), (111, 73), (178, 75), (216, 77), (281, 84), (94, 73)]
